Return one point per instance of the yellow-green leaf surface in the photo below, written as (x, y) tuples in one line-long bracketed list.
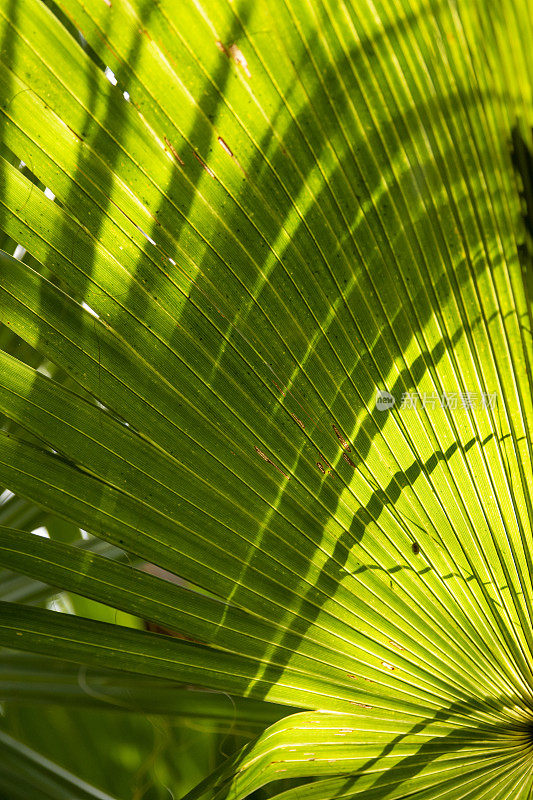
[(241, 223)]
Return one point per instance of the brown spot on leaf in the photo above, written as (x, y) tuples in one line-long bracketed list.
[(348, 460), (266, 458), (153, 627), (230, 153), (174, 151), (204, 165), (238, 57), (396, 645), (224, 146), (344, 443), (80, 138)]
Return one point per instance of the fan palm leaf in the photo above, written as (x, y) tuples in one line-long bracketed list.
[(281, 253)]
